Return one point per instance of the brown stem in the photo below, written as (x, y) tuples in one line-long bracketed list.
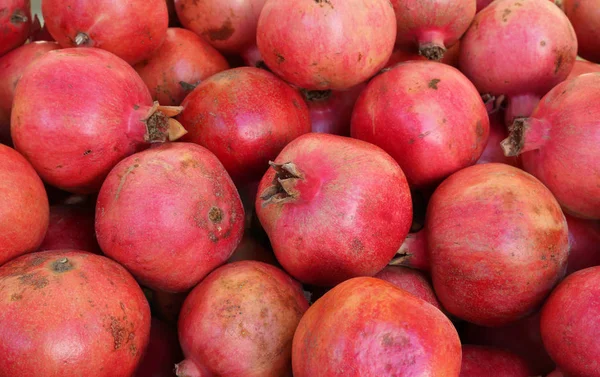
[(431, 45), (413, 252), (160, 125), (526, 134), (282, 189)]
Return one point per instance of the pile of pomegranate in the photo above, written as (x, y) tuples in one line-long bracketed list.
[(300, 188)]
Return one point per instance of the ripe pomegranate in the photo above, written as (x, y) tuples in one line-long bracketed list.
[(162, 353), (331, 111), (240, 321), (178, 65), (432, 25), (557, 144), (12, 66), (584, 242), (528, 47), (250, 249), (15, 24), (493, 151), (478, 361), (326, 44), (71, 227), (316, 191), (412, 281), (582, 67), (427, 116), (569, 324), (366, 327), (77, 112), (170, 215), (70, 313), (245, 116), (585, 17), (24, 209), (131, 29)]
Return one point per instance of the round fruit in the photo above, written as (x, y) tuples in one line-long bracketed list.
[(585, 17), (412, 281), (15, 24), (71, 227), (478, 361)]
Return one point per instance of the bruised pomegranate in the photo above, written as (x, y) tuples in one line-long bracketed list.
[(584, 242), (162, 353), (182, 62), (582, 67), (71, 227), (77, 112), (332, 44), (240, 321), (325, 221), (245, 116), (585, 17), (331, 111), (131, 29), (15, 24), (493, 151), (478, 361), (170, 215), (366, 327), (427, 116), (70, 313), (412, 281)]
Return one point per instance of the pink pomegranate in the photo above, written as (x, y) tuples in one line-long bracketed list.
[(77, 112), (584, 242), (326, 44), (178, 65), (493, 151), (245, 116), (170, 215), (569, 324), (71, 227), (557, 144), (478, 361), (131, 29), (416, 113), (432, 26), (585, 17), (240, 321), (331, 111), (70, 313), (250, 249), (582, 67), (15, 24), (528, 47), (24, 209), (412, 281), (162, 353), (366, 327), (324, 220), (12, 66)]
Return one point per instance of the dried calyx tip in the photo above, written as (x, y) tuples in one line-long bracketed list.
[(160, 125), (432, 52), (82, 39), (513, 144), (282, 188), (316, 95)]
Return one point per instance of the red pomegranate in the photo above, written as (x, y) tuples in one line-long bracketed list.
[(412, 281), (245, 116), (416, 113), (70, 313), (584, 242), (77, 112), (163, 352), (326, 44), (585, 17), (493, 151), (366, 327), (569, 324), (432, 26), (170, 215), (331, 111), (178, 65), (24, 209), (131, 29), (240, 321), (316, 191), (557, 144), (15, 24), (478, 361), (71, 227), (582, 67)]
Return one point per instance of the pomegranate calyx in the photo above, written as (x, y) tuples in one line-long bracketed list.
[(82, 39), (160, 125), (513, 144), (432, 51), (282, 189), (316, 95)]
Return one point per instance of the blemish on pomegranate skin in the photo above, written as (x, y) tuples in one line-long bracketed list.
[(215, 215), (433, 84), (322, 3), (34, 280), (221, 34)]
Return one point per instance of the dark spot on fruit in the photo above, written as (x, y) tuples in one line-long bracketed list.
[(37, 261), (117, 331), (187, 86), (62, 265), (18, 17), (433, 83), (411, 141), (87, 152), (542, 43), (424, 134), (505, 14), (221, 34), (479, 129), (135, 107), (16, 297), (34, 280), (559, 62), (132, 348), (357, 246), (280, 58), (322, 3), (189, 163), (296, 104), (360, 55), (213, 237), (215, 215)]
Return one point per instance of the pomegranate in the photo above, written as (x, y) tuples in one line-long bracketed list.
[(178, 65), (77, 112), (71, 227), (493, 151), (478, 361), (432, 25), (325, 221), (70, 313), (584, 242), (569, 324), (245, 116), (528, 47), (331, 111), (366, 327), (556, 373), (509, 251), (585, 17), (131, 29), (582, 67), (326, 44), (170, 215), (557, 144), (250, 249), (15, 24), (162, 353), (240, 321), (12, 66), (427, 116), (412, 281)]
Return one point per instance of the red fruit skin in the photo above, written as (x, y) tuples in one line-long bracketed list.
[(15, 23), (478, 361), (427, 116), (493, 151), (228, 25), (68, 313), (482, 4), (585, 17), (385, 331), (582, 67), (24, 209), (332, 113), (509, 251), (584, 242), (12, 66), (556, 373), (71, 227), (300, 41), (240, 321), (163, 351), (131, 29), (412, 281), (573, 309), (250, 249), (170, 215), (182, 62), (245, 116), (332, 201)]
